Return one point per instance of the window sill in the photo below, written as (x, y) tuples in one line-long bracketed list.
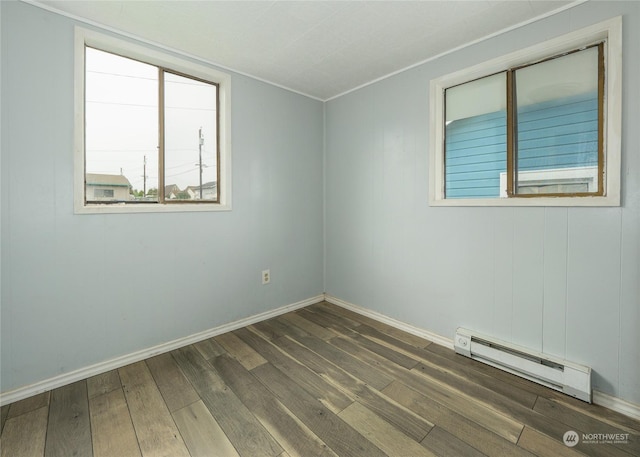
[(150, 208), (530, 201)]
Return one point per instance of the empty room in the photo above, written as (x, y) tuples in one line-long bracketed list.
[(319, 228)]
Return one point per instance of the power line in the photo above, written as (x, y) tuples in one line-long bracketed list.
[(122, 75), (122, 150), (122, 104), (155, 79), (98, 102), (193, 109)]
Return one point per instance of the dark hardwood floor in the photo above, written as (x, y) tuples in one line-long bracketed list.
[(320, 381)]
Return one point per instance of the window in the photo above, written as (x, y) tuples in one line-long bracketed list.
[(537, 127), (152, 130), (103, 193)]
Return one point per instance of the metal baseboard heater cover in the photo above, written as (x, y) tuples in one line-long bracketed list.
[(567, 377)]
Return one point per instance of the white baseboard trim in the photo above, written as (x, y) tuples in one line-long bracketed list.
[(616, 404), (427, 335), (121, 361), (608, 401)]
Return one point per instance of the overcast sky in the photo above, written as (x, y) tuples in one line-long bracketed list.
[(122, 122)]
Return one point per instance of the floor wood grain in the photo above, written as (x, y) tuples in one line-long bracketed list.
[(111, 426), (292, 434), (69, 429), (339, 436), (381, 433), (175, 388), (24, 435), (321, 381), (29, 404), (4, 413), (237, 348), (243, 429), (156, 432), (201, 432), (103, 383)]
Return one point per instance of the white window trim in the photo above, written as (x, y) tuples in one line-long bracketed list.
[(611, 31), (85, 37), (586, 175)]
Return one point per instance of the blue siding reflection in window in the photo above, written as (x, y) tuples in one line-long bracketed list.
[(475, 155), (555, 134), (561, 133)]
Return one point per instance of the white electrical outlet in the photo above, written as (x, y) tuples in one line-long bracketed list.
[(266, 277)]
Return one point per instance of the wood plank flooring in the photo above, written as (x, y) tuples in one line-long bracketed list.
[(317, 382)]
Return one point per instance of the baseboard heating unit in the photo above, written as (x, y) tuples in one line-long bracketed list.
[(567, 377)]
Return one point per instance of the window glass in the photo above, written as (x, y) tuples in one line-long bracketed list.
[(121, 126), (557, 125), (553, 141), (190, 138), (152, 130), (475, 137), (127, 153), (559, 104)]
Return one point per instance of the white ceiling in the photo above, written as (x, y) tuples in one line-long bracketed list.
[(318, 48)]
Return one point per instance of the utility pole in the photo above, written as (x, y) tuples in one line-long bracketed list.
[(200, 143), (144, 177)]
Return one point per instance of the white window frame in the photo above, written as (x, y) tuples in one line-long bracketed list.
[(610, 32), (108, 43), (574, 175)]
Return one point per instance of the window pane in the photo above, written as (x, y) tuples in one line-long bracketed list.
[(191, 145), (557, 122), (475, 138), (121, 128)]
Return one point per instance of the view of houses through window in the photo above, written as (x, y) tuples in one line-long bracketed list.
[(150, 134)]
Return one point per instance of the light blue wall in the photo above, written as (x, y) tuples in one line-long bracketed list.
[(81, 289), (562, 280)]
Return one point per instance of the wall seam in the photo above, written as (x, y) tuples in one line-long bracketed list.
[(324, 197)]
